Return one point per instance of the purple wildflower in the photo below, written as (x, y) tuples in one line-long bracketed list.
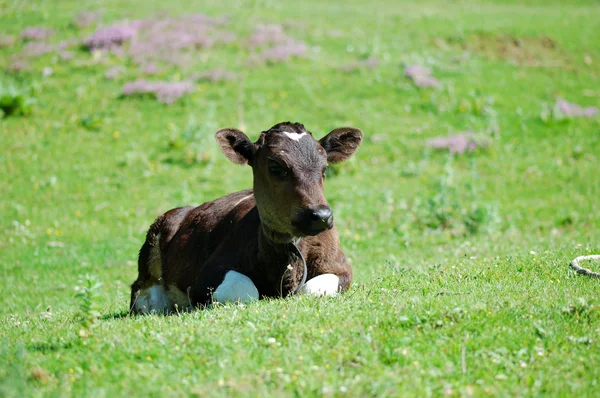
[(86, 18), (215, 75), (283, 52), (368, 63), (165, 92), (283, 46), (182, 60), (574, 110), (202, 19), (416, 70), (36, 33), (66, 55), (456, 144), (17, 66), (114, 72), (161, 40), (426, 81), (372, 62), (420, 76), (150, 69), (37, 48), (7, 41), (138, 24), (118, 51), (109, 36), (63, 45), (169, 92), (267, 34), (224, 36), (172, 40), (137, 87), (166, 40)]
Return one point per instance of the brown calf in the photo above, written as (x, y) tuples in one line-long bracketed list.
[(256, 243)]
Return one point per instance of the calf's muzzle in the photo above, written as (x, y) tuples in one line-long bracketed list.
[(313, 220)]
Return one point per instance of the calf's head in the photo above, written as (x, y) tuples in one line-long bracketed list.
[(289, 171)]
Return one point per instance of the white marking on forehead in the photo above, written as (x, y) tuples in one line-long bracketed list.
[(294, 136)]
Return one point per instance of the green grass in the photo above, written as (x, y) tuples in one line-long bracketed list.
[(454, 311)]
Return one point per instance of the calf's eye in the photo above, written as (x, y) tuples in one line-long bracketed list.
[(277, 170)]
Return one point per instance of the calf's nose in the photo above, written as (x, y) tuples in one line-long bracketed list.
[(321, 218), (311, 221)]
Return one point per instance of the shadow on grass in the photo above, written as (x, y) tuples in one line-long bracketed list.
[(115, 315), (177, 312), (49, 347), (126, 314)]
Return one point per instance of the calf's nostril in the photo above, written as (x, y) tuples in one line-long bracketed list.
[(312, 220), (321, 214)]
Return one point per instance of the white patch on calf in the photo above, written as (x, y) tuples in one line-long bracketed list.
[(322, 285), (294, 136), (235, 288), (152, 300)]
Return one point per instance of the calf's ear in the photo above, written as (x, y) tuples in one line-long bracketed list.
[(235, 145), (341, 143)]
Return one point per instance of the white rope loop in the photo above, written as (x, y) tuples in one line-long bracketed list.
[(584, 271)]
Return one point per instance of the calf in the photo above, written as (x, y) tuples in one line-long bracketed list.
[(264, 242)]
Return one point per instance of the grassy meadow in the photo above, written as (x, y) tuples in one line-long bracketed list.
[(461, 279)]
